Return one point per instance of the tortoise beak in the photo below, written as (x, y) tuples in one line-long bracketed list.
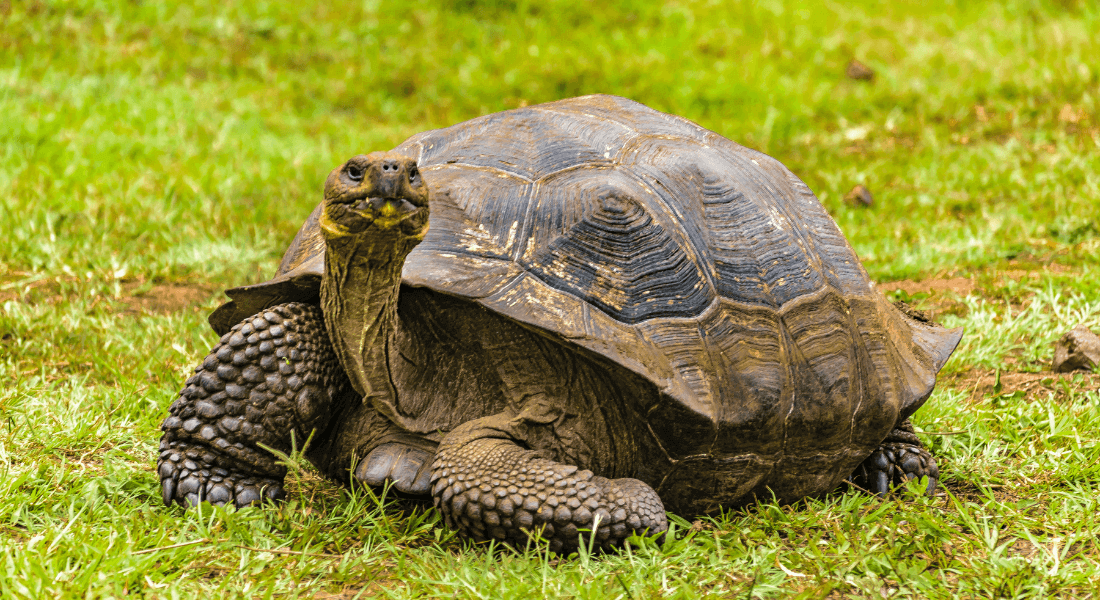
[(386, 213), (386, 207)]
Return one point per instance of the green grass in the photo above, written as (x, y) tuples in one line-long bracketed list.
[(155, 153)]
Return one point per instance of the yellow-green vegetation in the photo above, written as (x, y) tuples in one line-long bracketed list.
[(155, 153)]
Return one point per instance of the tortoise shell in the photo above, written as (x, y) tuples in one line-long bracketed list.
[(705, 267)]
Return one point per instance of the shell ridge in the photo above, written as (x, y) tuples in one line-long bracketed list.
[(564, 113), (786, 391), (807, 204), (528, 225), (862, 371), (793, 232), (828, 241), (701, 404), (825, 356), (672, 384), (595, 164), (603, 233), (444, 165), (747, 245), (699, 254), (871, 378), (712, 306), (715, 375), (923, 353), (702, 256)]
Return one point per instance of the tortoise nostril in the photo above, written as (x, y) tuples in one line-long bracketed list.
[(389, 166)]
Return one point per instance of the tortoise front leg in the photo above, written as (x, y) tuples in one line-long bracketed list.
[(272, 376), (488, 486), (898, 459)]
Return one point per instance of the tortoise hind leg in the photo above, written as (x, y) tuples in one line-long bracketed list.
[(273, 376), (898, 459), (488, 486)]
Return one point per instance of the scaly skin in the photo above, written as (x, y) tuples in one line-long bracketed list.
[(272, 376), (900, 458), (490, 488)]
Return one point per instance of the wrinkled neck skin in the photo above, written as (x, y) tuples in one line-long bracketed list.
[(359, 299)]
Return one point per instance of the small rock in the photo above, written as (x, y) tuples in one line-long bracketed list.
[(1078, 350), (860, 195), (858, 70)]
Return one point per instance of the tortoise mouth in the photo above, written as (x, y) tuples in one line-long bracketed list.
[(354, 216), (385, 214), (385, 207)]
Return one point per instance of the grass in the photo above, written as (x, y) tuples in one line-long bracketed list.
[(153, 154)]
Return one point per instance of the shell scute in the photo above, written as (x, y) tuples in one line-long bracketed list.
[(602, 237), (513, 143)]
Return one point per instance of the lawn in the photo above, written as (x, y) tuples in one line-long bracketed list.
[(153, 154)]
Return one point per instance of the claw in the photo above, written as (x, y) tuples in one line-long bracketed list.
[(214, 443), (422, 484), (217, 485), (188, 486), (408, 468), (219, 494), (168, 490), (553, 501), (274, 492), (880, 483), (246, 496), (376, 467)]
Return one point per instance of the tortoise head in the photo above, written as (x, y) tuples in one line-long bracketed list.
[(382, 191)]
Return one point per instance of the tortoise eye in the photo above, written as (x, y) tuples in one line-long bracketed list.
[(413, 174), (355, 173)]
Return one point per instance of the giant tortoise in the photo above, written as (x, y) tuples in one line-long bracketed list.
[(610, 312)]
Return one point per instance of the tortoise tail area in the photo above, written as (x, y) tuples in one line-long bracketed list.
[(928, 346)]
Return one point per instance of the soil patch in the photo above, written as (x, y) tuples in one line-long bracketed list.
[(160, 299), (962, 286), (943, 295), (165, 299), (20, 288), (982, 383), (968, 491)]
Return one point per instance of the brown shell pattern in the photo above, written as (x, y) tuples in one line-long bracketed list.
[(704, 266)]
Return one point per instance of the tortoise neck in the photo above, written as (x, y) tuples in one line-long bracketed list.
[(359, 298)]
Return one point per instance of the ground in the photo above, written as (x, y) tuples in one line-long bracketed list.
[(154, 154)]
